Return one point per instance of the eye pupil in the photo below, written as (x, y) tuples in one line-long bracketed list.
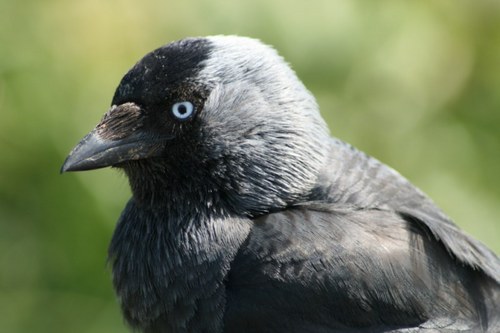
[(182, 110)]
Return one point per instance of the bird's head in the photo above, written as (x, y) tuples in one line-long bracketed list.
[(219, 122)]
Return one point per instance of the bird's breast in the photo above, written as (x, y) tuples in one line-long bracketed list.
[(167, 277)]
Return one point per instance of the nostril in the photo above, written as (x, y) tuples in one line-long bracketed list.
[(120, 121)]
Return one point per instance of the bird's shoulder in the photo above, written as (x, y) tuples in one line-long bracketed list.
[(352, 177), (328, 235), (339, 266)]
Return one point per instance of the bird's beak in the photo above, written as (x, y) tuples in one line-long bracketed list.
[(94, 152), (116, 139)]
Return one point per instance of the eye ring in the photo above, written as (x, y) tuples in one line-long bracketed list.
[(182, 110)]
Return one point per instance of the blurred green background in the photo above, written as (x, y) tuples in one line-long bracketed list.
[(414, 83)]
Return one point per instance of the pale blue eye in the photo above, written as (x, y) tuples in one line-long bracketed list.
[(183, 110)]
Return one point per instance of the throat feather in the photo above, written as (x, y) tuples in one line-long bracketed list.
[(168, 267)]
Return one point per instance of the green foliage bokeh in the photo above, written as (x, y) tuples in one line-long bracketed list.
[(414, 83)]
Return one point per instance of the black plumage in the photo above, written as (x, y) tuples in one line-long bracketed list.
[(247, 217)]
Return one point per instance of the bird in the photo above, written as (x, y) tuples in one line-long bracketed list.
[(246, 215)]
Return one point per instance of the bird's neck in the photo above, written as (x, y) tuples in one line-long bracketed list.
[(168, 263)]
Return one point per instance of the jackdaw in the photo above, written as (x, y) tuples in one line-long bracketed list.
[(246, 216)]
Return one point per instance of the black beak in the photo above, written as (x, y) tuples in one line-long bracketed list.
[(118, 138), (94, 152)]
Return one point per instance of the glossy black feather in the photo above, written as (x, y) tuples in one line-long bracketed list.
[(354, 178), (362, 257)]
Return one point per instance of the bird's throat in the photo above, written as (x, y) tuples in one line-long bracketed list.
[(164, 271)]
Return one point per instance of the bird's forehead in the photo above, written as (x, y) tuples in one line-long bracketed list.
[(168, 66)]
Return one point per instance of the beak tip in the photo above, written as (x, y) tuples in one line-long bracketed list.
[(82, 157), (68, 165), (64, 168), (90, 153)]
